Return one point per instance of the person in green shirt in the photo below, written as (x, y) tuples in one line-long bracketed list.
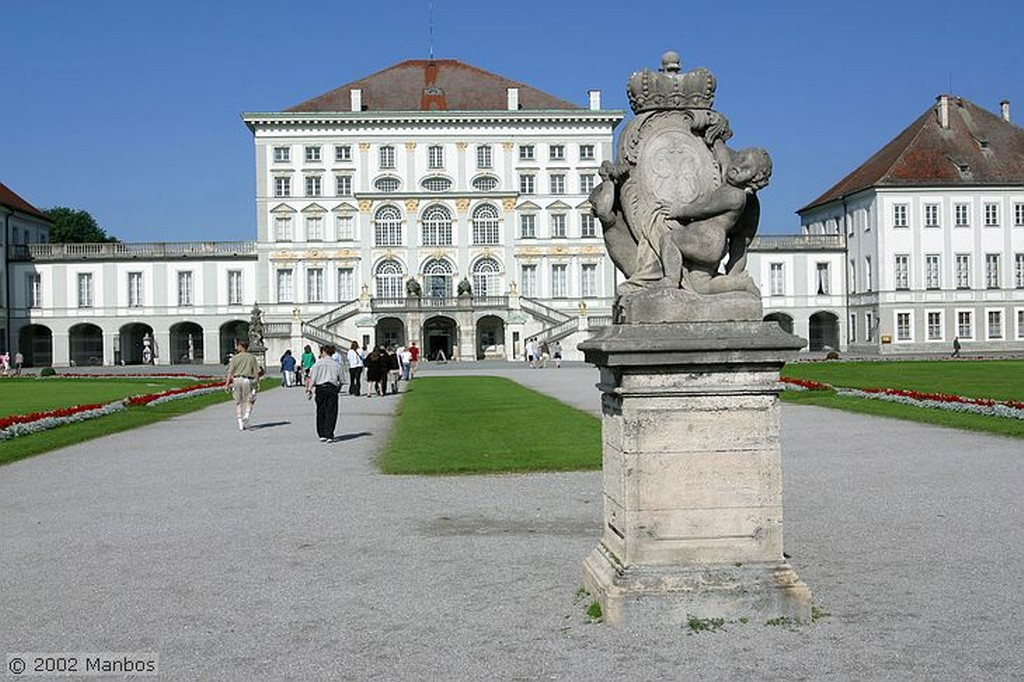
[(306, 362), (243, 376)]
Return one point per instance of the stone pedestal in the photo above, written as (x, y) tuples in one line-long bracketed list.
[(692, 474)]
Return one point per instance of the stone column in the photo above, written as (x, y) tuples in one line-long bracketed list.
[(692, 474)]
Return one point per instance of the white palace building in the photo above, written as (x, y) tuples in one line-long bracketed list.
[(438, 203)]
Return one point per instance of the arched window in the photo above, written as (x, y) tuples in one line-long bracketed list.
[(437, 278), (485, 225), (388, 227), (389, 279), (485, 277), (437, 226)]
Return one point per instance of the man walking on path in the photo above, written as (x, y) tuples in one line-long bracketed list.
[(956, 347), (325, 379), (243, 373)]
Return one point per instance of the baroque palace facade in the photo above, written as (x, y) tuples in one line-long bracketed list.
[(438, 203)]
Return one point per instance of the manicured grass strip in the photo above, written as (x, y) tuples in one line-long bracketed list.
[(995, 379), (472, 425), (27, 395), (881, 408), (132, 418)]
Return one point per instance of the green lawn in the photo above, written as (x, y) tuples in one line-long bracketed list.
[(29, 394), (464, 425), (996, 379)]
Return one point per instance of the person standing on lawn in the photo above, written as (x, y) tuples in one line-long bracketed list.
[(325, 381), (243, 374)]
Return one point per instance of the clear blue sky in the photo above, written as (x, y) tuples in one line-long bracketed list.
[(130, 109)]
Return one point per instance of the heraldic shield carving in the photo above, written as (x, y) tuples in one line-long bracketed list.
[(679, 207)]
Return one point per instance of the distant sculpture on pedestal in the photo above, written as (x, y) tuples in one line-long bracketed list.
[(678, 201), (256, 329), (412, 288), (465, 288)]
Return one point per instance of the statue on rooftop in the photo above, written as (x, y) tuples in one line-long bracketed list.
[(678, 207)]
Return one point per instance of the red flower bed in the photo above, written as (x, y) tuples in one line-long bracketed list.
[(150, 397), (36, 416), (806, 383)]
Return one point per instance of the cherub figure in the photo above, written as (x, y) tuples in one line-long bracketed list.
[(722, 223)]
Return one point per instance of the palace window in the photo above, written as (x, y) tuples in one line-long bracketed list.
[(483, 156), (485, 225), (343, 185), (991, 215), (556, 152), (902, 274), (559, 280), (588, 280), (777, 279), (931, 271), (824, 279), (386, 156), (961, 215), (313, 154), (437, 278), (558, 225), (963, 270), (134, 289), (437, 226), (528, 226), (314, 228), (343, 152), (528, 280), (282, 186), (995, 324), (527, 152), (346, 284), (388, 279), (437, 184), (992, 270), (931, 215), (313, 186), (485, 277), (934, 326), (282, 154), (85, 290), (387, 227), (964, 324), (435, 156), (1018, 215), (526, 183), (185, 287), (315, 285), (587, 181), (586, 152), (903, 327), (35, 290), (899, 215), (345, 226), (557, 183), (283, 228), (1018, 270), (588, 225), (485, 183), (387, 184), (234, 287)]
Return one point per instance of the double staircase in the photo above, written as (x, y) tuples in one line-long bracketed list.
[(317, 328)]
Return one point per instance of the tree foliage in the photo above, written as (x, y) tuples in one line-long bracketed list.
[(74, 226)]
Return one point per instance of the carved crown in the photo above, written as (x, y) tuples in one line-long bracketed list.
[(670, 89)]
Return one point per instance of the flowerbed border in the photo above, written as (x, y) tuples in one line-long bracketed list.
[(34, 422)]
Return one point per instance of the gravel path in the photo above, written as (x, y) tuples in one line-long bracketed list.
[(266, 555)]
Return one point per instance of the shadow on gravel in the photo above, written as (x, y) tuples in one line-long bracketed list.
[(267, 425), (351, 436)]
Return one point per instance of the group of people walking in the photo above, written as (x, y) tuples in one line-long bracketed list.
[(539, 353), (322, 377), (6, 363)]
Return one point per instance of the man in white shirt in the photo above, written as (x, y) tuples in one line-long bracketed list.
[(325, 380)]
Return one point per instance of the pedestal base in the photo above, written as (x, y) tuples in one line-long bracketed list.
[(671, 595)]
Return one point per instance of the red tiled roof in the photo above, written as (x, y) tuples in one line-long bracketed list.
[(425, 85), (11, 200), (978, 148)]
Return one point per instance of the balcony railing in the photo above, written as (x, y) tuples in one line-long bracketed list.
[(132, 251), (439, 303), (798, 242)]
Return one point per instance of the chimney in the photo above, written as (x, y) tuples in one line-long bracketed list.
[(1004, 109), (357, 99), (943, 111), (595, 100), (513, 99)]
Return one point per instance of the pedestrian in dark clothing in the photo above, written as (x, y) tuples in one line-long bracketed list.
[(956, 347), (376, 372), (325, 380)]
